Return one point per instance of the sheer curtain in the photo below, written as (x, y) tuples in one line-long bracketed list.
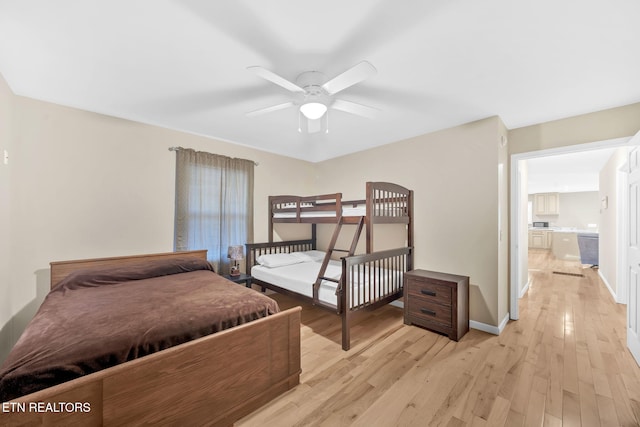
[(214, 204)]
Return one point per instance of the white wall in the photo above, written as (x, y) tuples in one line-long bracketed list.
[(609, 238), (576, 210), (523, 249), (503, 224)]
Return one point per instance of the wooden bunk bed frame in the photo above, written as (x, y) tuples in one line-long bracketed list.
[(385, 203), (182, 384)]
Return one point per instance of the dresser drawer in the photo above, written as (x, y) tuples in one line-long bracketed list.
[(437, 301), (428, 291), (421, 311)]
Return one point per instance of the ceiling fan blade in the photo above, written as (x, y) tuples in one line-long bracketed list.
[(274, 78), (269, 109), (353, 75), (354, 108)]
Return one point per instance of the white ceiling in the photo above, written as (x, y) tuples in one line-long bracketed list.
[(567, 173), (441, 63)]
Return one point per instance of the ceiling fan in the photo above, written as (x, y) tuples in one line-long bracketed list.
[(315, 94)]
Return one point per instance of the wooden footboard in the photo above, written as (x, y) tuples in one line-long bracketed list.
[(214, 380)]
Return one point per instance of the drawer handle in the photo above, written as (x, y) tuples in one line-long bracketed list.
[(427, 311), (427, 292)]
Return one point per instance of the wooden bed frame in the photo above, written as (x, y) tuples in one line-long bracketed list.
[(386, 203), (180, 385)]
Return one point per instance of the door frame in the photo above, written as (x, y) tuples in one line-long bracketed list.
[(515, 212), (622, 228)]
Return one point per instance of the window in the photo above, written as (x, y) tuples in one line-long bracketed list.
[(214, 204)]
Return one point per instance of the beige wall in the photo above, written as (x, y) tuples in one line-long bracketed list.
[(6, 115), (454, 175), (88, 185), (599, 126)]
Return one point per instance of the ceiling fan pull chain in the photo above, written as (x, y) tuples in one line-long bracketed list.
[(327, 122)]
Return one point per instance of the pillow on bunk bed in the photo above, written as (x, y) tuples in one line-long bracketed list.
[(310, 256), (278, 260)]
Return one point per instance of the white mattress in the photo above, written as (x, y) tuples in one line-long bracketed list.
[(299, 278), (359, 210)]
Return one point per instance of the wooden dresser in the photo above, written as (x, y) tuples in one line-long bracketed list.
[(437, 301)]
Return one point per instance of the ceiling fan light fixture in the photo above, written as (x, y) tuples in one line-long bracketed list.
[(313, 110)]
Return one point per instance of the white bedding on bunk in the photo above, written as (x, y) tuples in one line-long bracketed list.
[(300, 277), (359, 210)]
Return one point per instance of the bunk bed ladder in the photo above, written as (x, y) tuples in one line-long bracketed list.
[(327, 257)]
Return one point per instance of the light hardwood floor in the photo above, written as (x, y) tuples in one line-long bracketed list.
[(564, 363)]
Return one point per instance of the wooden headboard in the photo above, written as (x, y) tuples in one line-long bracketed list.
[(61, 269)]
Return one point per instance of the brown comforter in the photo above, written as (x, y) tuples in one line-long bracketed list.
[(99, 318)]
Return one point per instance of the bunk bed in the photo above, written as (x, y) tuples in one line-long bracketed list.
[(353, 283), (211, 351)]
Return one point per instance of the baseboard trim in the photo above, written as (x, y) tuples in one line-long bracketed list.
[(606, 283), (525, 289), (397, 303), (495, 330)]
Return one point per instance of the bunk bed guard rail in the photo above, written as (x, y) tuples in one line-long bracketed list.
[(374, 279), (370, 281)]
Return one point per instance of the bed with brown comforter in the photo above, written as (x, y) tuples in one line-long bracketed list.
[(98, 318)]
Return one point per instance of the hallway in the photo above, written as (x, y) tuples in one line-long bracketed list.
[(581, 335)]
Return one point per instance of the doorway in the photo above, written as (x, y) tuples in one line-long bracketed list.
[(519, 212)]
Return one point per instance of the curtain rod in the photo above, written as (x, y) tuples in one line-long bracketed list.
[(181, 148)]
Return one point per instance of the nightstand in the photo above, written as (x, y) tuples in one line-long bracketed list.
[(241, 278), (437, 301)]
